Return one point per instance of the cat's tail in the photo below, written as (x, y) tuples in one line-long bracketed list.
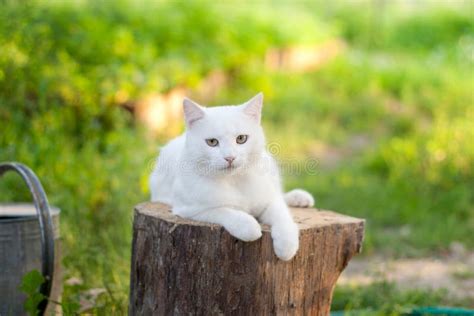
[(298, 198)]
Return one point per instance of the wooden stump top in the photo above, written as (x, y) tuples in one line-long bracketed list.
[(305, 218)]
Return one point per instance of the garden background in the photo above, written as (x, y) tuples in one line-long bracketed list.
[(379, 93)]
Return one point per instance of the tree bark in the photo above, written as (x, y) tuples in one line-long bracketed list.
[(184, 267)]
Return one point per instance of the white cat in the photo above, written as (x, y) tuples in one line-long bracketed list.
[(219, 171)]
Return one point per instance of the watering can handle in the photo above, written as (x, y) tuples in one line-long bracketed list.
[(45, 222)]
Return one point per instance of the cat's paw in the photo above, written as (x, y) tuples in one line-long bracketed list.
[(285, 241), (245, 227), (299, 198)]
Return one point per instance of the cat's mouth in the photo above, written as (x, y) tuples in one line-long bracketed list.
[(229, 167)]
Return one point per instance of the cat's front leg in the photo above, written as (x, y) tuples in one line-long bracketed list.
[(238, 223), (285, 232)]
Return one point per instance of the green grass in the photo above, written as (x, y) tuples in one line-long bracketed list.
[(385, 298), (394, 110)]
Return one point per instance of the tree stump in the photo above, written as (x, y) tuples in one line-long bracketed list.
[(184, 267)]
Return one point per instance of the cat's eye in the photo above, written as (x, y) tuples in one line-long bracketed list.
[(212, 142), (241, 139)]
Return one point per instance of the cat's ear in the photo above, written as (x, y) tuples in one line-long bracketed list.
[(253, 107), (192, 111)]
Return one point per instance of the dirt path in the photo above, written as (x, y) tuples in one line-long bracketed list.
[(454, 273)]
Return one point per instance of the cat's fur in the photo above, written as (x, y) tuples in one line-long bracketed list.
[(199, 183)]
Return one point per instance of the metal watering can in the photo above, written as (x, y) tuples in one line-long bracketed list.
[(29, 236)]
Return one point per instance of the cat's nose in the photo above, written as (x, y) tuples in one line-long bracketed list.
[(229, 159)]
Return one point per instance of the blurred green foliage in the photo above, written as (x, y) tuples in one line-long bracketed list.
[(402, 90), (30, 285)]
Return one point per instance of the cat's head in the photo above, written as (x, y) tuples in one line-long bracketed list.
[(224, 139)]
